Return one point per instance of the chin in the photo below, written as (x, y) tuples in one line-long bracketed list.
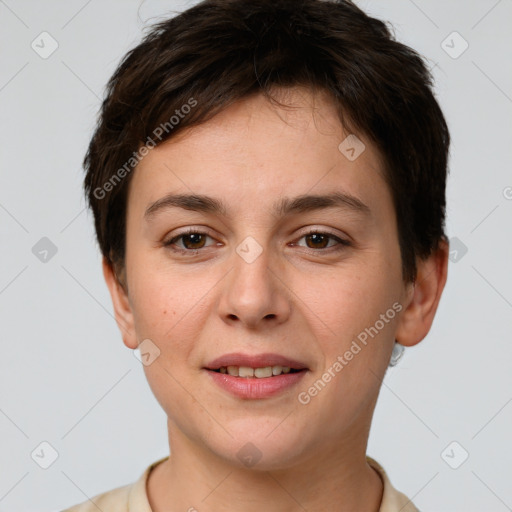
[(259, 445)]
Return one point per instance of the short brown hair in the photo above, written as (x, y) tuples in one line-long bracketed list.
[(221, 51)]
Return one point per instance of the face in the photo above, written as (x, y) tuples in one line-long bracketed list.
[(267, 274)]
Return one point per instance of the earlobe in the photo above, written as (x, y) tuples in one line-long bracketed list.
[(417, 318), (122, 308)]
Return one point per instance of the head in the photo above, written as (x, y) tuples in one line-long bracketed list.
[(303, 150)]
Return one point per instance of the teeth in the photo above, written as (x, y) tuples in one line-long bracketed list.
[(245, 371), (260, 373), (233, 370), (263, 372)]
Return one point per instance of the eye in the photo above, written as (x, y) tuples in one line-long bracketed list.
[(320, 240), (192, 241)]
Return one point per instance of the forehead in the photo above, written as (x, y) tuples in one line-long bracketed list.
[(254, 151)]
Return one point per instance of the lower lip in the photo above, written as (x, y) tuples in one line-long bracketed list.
[(254, 388)]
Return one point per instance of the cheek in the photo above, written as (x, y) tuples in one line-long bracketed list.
[(355, 300), (358, 309), (159, 296), (361, 320), (154, 309), (169, 308), (165, 315)]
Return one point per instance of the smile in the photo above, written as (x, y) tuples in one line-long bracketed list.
[(259, 373), (252, 387)]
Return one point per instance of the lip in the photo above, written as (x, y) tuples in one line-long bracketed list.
[(255, 361), (253, 387)]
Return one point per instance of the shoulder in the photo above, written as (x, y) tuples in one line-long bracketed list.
[(128, 498), (392, 499), (115, 500)]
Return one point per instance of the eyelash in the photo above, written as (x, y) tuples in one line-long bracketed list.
[(342, 243)]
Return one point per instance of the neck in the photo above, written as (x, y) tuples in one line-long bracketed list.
[(194, 479)]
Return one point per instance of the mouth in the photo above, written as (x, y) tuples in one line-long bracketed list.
[(258, 373), (255, 376), (257, 365)]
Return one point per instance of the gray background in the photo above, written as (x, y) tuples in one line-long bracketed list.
[(65, 376)]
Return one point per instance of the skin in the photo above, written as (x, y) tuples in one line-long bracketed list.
[(291, 300)]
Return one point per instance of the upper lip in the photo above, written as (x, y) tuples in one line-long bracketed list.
[(254, 361)]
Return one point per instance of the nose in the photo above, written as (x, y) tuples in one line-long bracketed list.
[(254, 294)]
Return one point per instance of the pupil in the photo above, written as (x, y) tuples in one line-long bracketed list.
[(316, 238), (195, 236)]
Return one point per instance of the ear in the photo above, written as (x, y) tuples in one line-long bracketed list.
[(416, 320), (122, 308)]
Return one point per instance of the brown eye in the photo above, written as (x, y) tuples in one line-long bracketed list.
[(194, 240), (318, 240), (190, 241)]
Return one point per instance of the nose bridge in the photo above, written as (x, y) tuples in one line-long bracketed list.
[(252, 293)]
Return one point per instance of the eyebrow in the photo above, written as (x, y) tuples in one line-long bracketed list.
[(285, 206)]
